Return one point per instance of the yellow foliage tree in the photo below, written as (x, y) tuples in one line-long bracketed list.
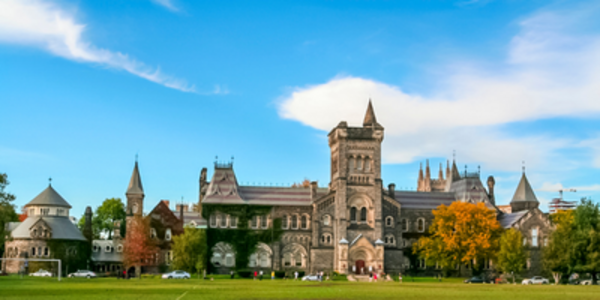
[(460, 233)]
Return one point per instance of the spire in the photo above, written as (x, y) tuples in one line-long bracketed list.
[(441, 174), (524, 191), (421, 172), (455, 174), (135, 183), (370, 119), (447, 168), (427, 170)]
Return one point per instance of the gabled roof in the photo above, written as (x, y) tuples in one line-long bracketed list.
[(508, 220), (524, 191), (135, 183), (49, 197)]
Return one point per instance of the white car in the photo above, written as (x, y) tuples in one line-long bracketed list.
[(176, 274), (536, 280), (83, 274), (41, 273), (312, 277), (588, 282)]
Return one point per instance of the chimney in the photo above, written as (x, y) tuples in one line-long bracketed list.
[(87, 229), (491, 183), (167, 202), (313, 190), (117, 230), (181, 208), (392, 190)]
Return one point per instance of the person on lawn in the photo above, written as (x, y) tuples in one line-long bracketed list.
[(295, 275), (272, 275), (255, 273), (260, 275)]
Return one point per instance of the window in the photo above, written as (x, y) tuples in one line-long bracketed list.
[(328, 239), (34, 232), (217, 259), (404, 225), (304, 222), (545, 242), (60, 212), (294, 222), (263, 221), (386, 240), (367, 165), (353, 214), (263, 260), (33, 251), (233, 222), (298, 259), (284, 222), (363, 214), (422, 264), (168, 257), (168, 234), (287, 259), (326, 220), (534, 237), (107, 249), (152, 233), (46, 251), (254, 222), (213, 220), (45, 211), (223, 219), (252, 260), (421, 225), (120, 248), (389, 221), (96, 248)]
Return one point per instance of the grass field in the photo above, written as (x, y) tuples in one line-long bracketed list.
[(13, 287)]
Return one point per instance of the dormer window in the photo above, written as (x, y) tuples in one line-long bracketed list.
[(168, 234), (152, 233), (120, 248), (95, 248), (107, 249)]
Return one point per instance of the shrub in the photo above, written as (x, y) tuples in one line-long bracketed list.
[(279, 274), (245, 274), (300, 274)]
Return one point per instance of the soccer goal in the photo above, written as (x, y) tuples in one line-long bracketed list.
[(27, 260)]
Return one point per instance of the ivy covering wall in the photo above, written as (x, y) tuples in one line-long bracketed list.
[(73, 254), (243, 239)]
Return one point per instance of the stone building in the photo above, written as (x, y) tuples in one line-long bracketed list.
[(47, 220), (355, 225)]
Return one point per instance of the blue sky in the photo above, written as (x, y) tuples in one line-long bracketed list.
[(87, 85)]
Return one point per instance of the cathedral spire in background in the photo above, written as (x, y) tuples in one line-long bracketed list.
[(441, 174)]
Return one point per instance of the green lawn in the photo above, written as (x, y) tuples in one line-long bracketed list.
[(13, 287)]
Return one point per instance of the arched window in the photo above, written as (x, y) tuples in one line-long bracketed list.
[(367, 164), (229, 260), (233, 222), (254, 222), (223, 221), (287, 259), (389, 221), (304, 222), (263, 221), (405, 225), (152, 233), (284, 222), (386, 240), (298, 259), (294, 222), (213, 220), (323, 239), (363, 214), (392, 240), (33, 251), (168, 234), (216, 259), (326, 220), (421, 225), (328, 239), (353, 214), (534, 237), (46, 252)]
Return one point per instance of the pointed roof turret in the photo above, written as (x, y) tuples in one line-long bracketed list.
[(49, 197), (135, 183), (370, 119), (524, 191), (441, 173), (421, 172), (455, 174), (427, 170)]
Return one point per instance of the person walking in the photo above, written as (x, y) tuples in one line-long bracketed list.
[(375, 276), (370, 277), (255, 273), (272, 275), (295, 275), (232, 274), (400, 277), (260, 275)]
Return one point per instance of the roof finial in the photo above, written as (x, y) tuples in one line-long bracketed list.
[(136, 157), (453, 155), (523, 167), (50, 181)]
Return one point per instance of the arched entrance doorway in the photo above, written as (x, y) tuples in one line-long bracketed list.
[(360, 267)]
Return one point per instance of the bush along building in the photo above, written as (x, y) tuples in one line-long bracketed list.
[(355, 225)]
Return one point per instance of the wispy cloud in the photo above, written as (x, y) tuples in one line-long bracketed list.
[(46, 25), (168, 4), (551, 70)]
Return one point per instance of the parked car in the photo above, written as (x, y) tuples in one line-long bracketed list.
[(83, 274), (476, 279), (177, 275), (536, 280), (41, 273), (311, 277), (588, 282)]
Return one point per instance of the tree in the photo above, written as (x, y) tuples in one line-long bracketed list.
[(304, 184), (512, 256), (189, 250), (7, 210), (586, 238), (556, 256), (460, 234), (139, 249), (103, 220)]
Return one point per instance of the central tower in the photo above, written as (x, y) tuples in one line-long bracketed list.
[(356, 180)]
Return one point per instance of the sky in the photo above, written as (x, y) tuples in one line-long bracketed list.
[(86, 86)]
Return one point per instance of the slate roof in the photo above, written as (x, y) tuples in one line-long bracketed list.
[(49, 197), (470, 189), (224, 189), (102, 256), (508, 220), (524, 191), (423, 200), (62, 228), (135, 183), (189, 216)]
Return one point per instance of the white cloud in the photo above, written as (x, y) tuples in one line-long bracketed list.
[(551, 71), (45, 25), (168, 4)]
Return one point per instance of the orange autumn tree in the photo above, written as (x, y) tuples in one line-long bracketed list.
[(139, 249), (459, 234)]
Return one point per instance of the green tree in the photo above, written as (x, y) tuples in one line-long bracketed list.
[(103, 220), (7, 210), (586, 239), (557, 255), (189, 250), (512, 255)]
